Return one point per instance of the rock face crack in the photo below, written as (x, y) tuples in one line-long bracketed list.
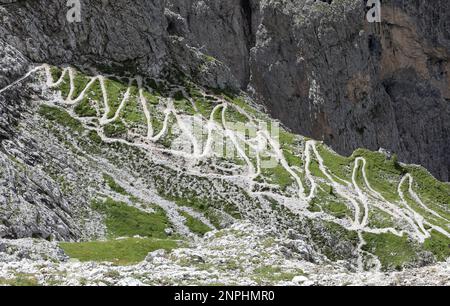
[(247, 11)]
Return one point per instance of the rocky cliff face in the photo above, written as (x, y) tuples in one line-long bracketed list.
[(328, 73), (319, 66)]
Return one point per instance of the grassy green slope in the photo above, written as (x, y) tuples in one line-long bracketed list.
[(384, 174)]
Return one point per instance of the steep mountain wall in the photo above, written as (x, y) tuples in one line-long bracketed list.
[(328, 73), (319, 66)]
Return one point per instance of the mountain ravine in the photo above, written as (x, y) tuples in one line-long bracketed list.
[(112, 133)]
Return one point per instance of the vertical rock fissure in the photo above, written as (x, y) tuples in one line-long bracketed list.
[(247, 12)]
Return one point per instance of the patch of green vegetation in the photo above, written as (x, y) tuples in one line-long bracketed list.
[(427, 215), (94, 137), (279, 176), (380, 219), (232, 265), (116, 91), (292, 159), (268, 242), (194, 202), (182, 104), (333, 240), (204, 206), (226, 93), (123, 220), (439, 245), (233, 115), (151, 98), (85, 109), (80, 81), (195, 225), (20, 280), (217, 116), (383, 174), (185, 107), (133, 112), (314, 168), (19, 163), (95, 94), (64, 86), (113, 184), (66, 187), (157, 125), (179, 96), (169, 137), (286, 139), (115, 129), (332, 207), (204, 107), (315, 206), (274, 274), (240, 102), (209, 58), (393, 252), (56, 73), (339, 165), (61, 117), (289, 145), (120, 252), (193, 91), (156, 118), (432, 192), (359, 176)]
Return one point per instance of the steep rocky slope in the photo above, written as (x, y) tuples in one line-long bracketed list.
[(319, 67), (116, 145), (143, 164)]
